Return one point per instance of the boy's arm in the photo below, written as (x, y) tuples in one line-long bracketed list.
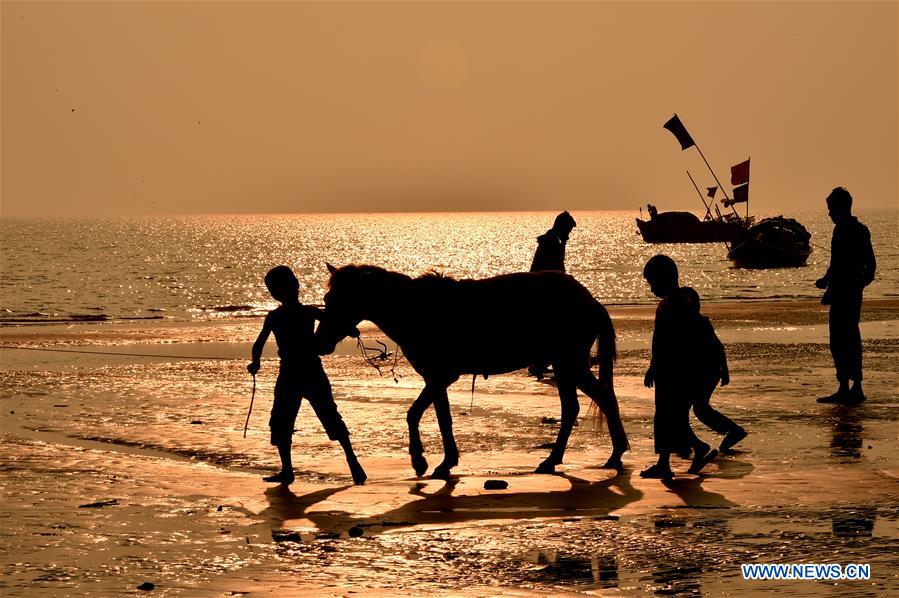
[(259, 345), (725, 373)]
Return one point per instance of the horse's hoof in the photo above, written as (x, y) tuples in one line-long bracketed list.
[(441, 473), (614, 463), (545, 467), (420, 465)]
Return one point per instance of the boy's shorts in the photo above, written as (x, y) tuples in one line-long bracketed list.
[(290, 389)]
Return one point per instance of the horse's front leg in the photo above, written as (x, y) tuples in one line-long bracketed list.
[(413, 418), (445, 421), (570, 409)]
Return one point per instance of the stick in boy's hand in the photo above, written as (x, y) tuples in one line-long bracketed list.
[(252, 368)]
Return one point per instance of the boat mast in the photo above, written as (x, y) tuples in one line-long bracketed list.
[(708, 211), (720, 219), (723, 190)]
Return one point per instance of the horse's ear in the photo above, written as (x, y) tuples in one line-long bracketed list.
[(331, 268)]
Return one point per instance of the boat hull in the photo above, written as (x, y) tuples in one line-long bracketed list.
[(772, 243), (683, 227)]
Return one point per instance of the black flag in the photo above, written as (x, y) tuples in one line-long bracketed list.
[(711, 191), (741, 194), (677, 127)]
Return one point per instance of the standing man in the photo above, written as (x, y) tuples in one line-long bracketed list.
[(550, 254), (852, 267)]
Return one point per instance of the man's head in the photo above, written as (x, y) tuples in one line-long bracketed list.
[(563, 225), (839, 204), (282, 283), (661, 274)]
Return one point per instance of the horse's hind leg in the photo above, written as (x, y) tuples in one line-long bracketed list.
[(413, 418), (570, 409), (604, 397), (445, 421)]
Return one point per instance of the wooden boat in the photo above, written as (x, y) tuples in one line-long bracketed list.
[(772, 243), (685, 227)]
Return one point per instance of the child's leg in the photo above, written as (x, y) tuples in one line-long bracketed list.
[(322, 401), (285, 476), (702, 452), (664, 437), (710, 416), (283, 418)]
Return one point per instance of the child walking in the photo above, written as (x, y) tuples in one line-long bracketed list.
[(714, 370), (300, 374), (674, 371)]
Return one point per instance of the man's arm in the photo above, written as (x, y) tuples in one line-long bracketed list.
[(870, 262)]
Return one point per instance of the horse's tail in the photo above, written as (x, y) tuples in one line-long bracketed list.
[(605, 337)]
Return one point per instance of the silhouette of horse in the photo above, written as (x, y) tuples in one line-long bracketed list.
[(447, 328)]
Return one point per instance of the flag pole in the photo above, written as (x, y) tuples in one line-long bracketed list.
[(720, 219), (747, 195), (707, 210), (723, 190)]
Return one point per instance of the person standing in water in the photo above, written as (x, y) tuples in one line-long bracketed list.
[(300, 374), (852, 267), (550, 253)]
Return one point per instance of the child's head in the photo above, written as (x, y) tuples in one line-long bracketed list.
[(661, 274), (282, 283), (839, 204), (692, 295)]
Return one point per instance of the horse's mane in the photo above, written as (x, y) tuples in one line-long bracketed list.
[(356, 270)]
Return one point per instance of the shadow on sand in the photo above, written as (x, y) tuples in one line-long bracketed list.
[(441, 507)]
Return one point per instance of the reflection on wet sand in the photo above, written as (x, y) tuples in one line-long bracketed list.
[(846, 432)]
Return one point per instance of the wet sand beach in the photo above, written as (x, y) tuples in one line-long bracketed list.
[(124, 470)]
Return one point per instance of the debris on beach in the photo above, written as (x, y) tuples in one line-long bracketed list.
[(496, 485), (100, 503), (146, 586), (286, 535), (197, 422), (549, 420)]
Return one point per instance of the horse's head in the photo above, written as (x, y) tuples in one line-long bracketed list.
[(345, 307)]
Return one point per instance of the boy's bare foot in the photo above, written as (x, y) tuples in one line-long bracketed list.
[(282, 477), (856, 395), (657, 472), (732, 438), (700, 462), (840, 396)]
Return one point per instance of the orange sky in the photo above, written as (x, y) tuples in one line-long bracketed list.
[(199, 107)]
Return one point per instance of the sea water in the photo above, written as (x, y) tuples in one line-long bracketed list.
[(78, 428), (202, 267)]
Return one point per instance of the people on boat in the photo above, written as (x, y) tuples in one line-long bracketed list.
[(550, 253), (653, 212), (852, 268)]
